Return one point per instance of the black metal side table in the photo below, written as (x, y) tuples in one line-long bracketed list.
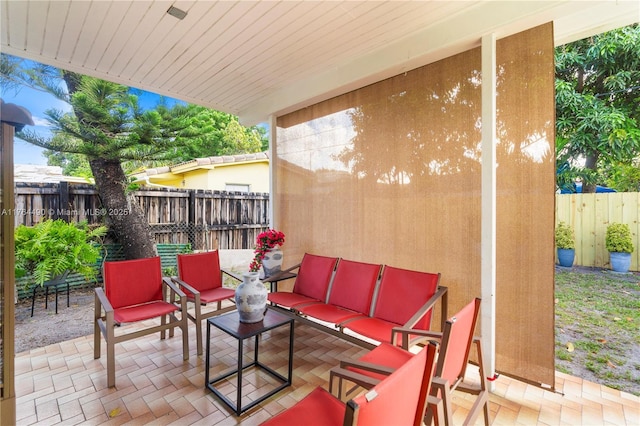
[(230, 324)]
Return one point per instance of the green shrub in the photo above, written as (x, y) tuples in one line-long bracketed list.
[(51, 247), (618, 238), (565, 238)]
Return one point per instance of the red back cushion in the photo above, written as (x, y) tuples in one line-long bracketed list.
[(400, 395), (457, 340), (317, 408), (200, 270), (353, 285), (314, 276), (132, 282), (402, 293)]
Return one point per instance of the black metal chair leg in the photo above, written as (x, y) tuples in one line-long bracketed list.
[(33, 298)]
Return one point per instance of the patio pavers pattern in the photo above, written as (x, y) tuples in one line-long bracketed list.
[(63, 384)]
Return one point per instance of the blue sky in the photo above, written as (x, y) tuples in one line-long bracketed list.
[(37, 103)]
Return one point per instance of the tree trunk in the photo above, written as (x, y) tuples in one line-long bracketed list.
[(124, 215), (591, 164)]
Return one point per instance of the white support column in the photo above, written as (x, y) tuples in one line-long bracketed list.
[(272, 174), (488, 205)]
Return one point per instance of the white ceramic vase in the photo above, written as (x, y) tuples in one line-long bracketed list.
[(251, 298), (272, 263)]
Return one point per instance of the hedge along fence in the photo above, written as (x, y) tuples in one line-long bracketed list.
[(109, 252), (202, 218), (589, 215)]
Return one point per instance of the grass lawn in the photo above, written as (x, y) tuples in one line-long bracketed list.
[(598, 326)]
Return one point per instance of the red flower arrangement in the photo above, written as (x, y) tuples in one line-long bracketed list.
[(265, 241)]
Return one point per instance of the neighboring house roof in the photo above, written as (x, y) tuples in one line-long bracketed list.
[(203, 163), (167, 175), (43, 174)]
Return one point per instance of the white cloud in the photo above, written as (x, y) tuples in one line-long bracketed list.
[(41, 122)]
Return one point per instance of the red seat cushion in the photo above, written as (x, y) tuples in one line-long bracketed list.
[(143, 311), (289, 299), (385, 355), (328, 313), (373, 328), (200, 270), (317, 408), (214, 295)]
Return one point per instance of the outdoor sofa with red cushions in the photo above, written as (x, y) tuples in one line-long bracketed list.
[(357, 301)]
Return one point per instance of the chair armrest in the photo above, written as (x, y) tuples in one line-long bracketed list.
[(406, 333), (168, 281), (440, 294), (359, 379), (182, 284), (103, 301), (291, 268), (231, 274), (424, 333), (175, 290), (367, 366), (102, 324)]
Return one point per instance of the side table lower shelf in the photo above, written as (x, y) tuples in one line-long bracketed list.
[(230, 324)]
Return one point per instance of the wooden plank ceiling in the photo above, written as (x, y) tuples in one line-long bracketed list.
[(255, 58)]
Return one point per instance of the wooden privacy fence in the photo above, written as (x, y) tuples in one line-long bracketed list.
[(204, 219), (589, 215)]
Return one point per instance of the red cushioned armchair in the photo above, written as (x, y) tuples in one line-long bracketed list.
[(456, 341), (135, 291), (399, 399), (200, 277)]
